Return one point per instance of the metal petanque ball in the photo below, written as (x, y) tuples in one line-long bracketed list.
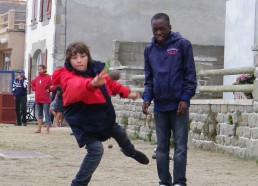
[(110, 146), (154, 156), (114, 74)]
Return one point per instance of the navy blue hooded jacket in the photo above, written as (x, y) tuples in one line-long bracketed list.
[(170, 75), (20, 87)]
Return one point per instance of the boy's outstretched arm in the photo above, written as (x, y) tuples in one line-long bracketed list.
[(134, 95)]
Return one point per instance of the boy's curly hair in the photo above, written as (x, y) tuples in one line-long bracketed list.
[(77, 47)]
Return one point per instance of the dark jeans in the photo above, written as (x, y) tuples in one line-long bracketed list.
[(166, 122), (21, 107), (95, 152)]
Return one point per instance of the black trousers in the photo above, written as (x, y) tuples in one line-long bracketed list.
[(21, 108)]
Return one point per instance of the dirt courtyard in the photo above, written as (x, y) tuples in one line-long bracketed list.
[(64, 158)]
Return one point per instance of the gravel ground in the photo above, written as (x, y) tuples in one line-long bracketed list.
[(204, 167)]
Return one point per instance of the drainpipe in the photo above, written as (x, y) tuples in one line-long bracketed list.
[(255, 49)]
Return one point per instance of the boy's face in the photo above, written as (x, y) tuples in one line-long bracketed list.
[(161, 29), (79, 62)]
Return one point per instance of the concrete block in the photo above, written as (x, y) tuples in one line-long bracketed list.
[(240, 152), (255, 106), (216, 108), (252, 149), (226, 129), (231, 108), (207, 145), (244, 120), (227, 141), (242, 142), (243, 132), (252, 120), (220, 139), (224, 109), (254, 133), (229, 149), (220, 118)]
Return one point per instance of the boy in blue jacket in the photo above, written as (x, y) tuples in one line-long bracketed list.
[(170, 81), (20, 85), (88, 108)]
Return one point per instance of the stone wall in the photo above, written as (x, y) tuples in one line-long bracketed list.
[(223, 125)]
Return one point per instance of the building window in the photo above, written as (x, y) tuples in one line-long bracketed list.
[(7, 61), (34, 12), (49, 8), (45, 10)]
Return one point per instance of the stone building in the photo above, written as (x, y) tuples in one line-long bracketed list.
[(53, 24), (12, 34)]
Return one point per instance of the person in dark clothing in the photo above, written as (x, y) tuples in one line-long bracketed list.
[(53, 96), (20, 95), (170, 81), (56, 108), (88, 108)]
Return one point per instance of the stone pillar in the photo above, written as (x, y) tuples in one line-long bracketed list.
[(255, 49), (115, 58), (11, 19)]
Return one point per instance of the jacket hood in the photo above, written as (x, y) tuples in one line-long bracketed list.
[(172, 37), (94, 68)]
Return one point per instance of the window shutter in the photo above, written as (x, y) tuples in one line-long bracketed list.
[(49, 8), (41, 11), (29, 73), (34, 11)]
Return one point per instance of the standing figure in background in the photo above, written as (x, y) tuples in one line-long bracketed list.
[(41, 85), (170, 81), (20, 95), (56, 108)]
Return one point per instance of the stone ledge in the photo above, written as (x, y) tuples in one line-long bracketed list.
[(221, 102)]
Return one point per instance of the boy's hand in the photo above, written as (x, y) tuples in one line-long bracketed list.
[(145, 107), (99, 80), (133, 95), (182, 108)]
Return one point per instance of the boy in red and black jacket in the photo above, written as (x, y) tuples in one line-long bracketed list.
[(88, 108)]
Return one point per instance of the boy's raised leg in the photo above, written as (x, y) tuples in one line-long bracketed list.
[(119, 134)]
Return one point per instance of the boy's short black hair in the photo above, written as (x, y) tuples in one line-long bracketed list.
[(77, 47), (161, 16)]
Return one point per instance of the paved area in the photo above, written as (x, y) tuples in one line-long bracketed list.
[(29, 159)]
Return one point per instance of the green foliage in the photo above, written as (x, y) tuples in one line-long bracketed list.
[(197, 131), (107, 64), (124, 122), (172, 141), (135, 136), (230, 119), (210, 126), (149, 135)]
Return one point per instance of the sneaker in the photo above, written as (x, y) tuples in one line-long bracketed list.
[(140, 157), (24, 124)]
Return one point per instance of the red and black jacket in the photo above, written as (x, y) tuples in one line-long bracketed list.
[(88, 110)]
